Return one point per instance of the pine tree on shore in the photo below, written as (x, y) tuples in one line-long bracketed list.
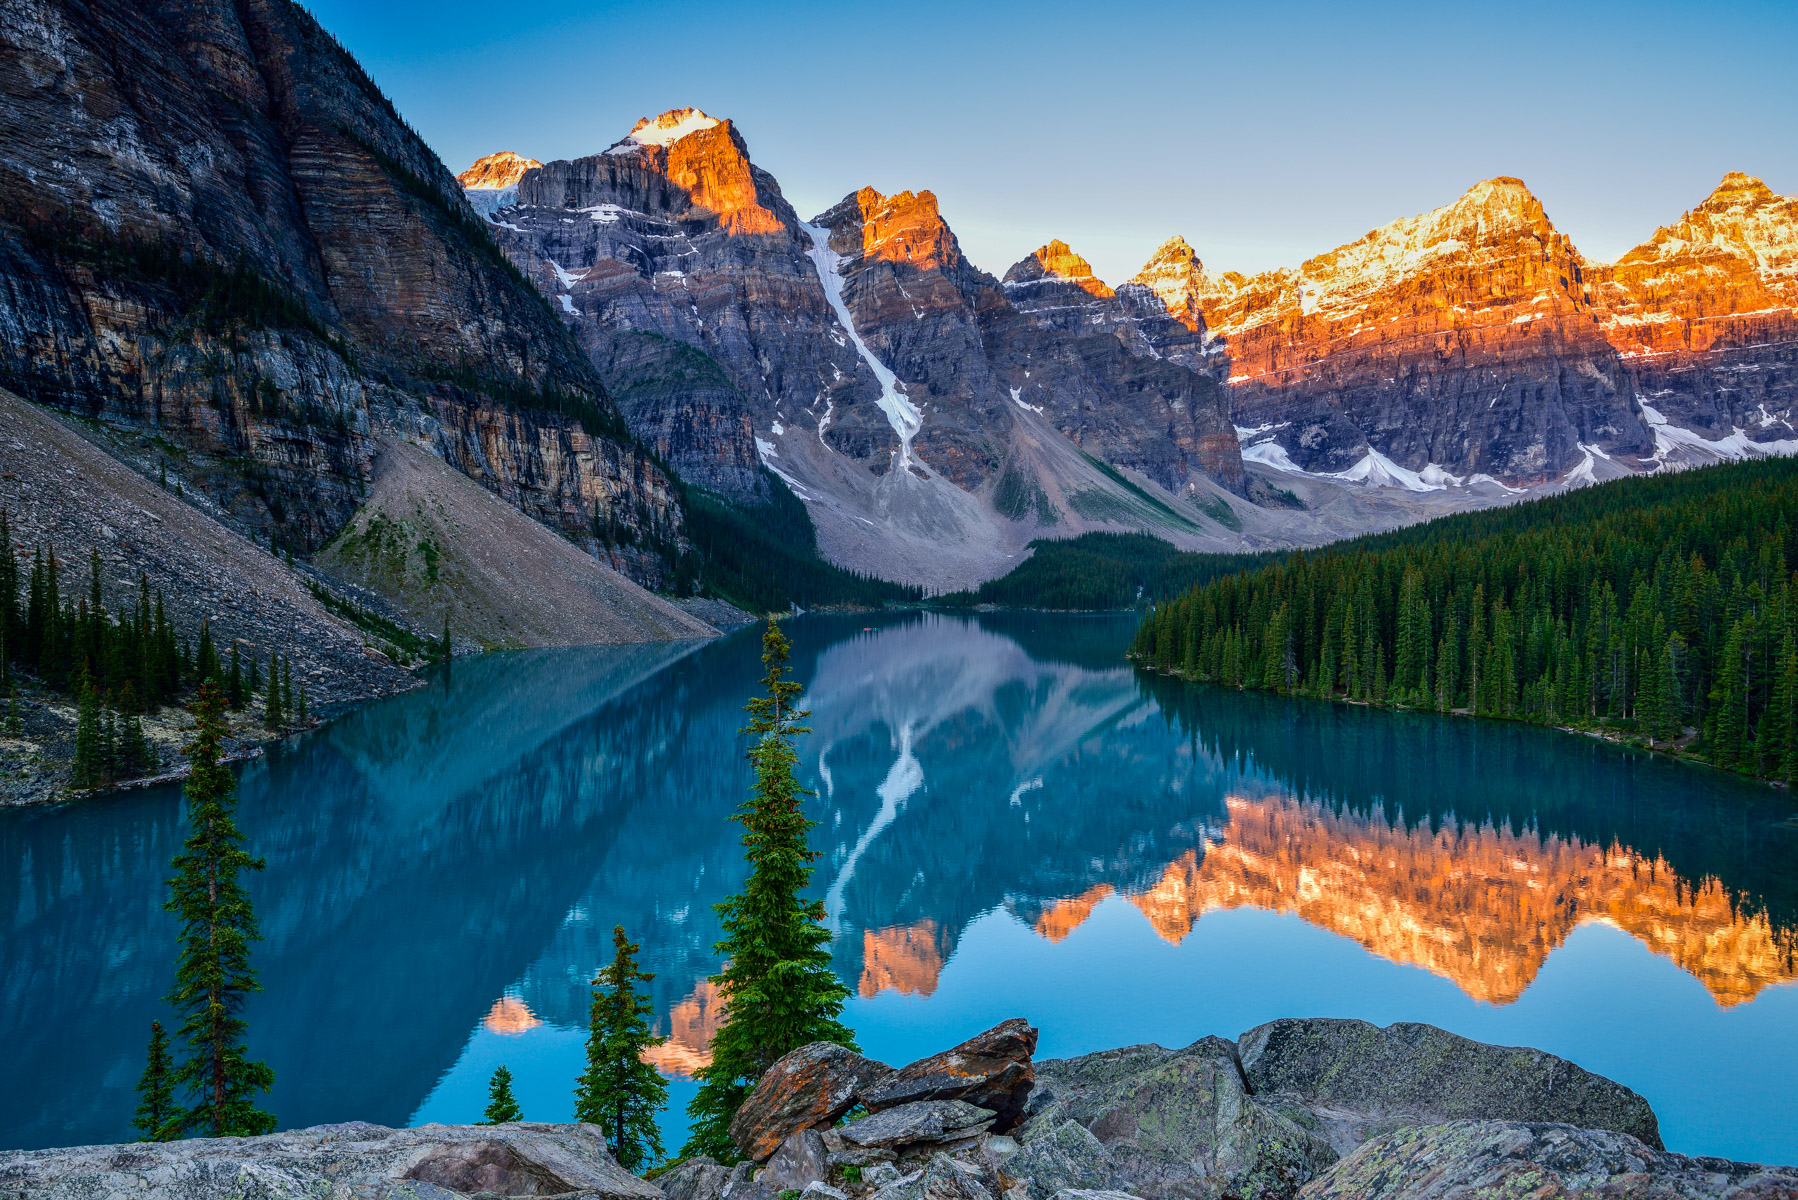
[(301, 717), (287, 687), (156, 1111), (234, 680), (618, 1091), (213, 976), (501, 1106), (88, 736), (273, 715), (778, 988)]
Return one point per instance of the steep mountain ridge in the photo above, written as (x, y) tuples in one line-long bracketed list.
[(1474, 342), (860, 358), (219, 232)]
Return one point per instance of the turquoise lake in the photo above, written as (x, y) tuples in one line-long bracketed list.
[(1012, 823)]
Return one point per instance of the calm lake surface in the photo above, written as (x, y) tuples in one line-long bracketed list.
[(1012, 823)]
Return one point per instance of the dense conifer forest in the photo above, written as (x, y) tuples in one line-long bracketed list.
[(1662, 608), (1102, 572)]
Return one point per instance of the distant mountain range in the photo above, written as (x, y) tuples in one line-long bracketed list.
[(220, 241), (934, 418)]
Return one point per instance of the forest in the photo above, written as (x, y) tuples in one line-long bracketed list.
[(1661, 609), (1102, 572)]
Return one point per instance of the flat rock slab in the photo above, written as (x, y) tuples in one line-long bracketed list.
[(806, 1089), (1463, 1160), (911, 1124), (991, 1070), (1423, 1075), (356, 1161)]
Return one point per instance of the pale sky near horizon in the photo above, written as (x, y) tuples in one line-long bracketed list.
[(1263, 134)]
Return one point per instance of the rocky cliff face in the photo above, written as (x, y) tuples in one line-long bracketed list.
[(1476, 342), (1705, 315), (218, 230), (859, 356), (1435, 349)]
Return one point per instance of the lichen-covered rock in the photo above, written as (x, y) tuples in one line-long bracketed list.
[(1181, 1123), (1539, 1161), (699, 1178), (1415, 1074), (335, 1162), (991, 1070), (920, 1121), (808, 1088), (801, 1159), (1060, 1157)]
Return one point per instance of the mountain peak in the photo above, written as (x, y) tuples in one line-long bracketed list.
[(1057, 262), (502, 170), (1175, 274), (1738, 190), (665, 130)]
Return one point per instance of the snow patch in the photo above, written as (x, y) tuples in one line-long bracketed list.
[(1376, 470), (665, 130), (1671, 439), (1272, 454), (1017, 395), (901, 413), (568, 305)]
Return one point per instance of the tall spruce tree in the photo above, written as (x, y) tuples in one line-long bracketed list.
[(156, 1111), (214, 976), (273, 715), (501, 1105), (777, 986), (618, 1091)]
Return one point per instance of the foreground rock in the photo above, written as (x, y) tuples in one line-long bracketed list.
[(1541, 1162), (811, 1087), (989, 1071), (337, 1162)]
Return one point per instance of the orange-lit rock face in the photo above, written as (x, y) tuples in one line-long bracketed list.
[(502, 170), (704, 157), (1056, 261), (903, 958), (1724, 273), (510, 1015), (1463, 337), (691, 1025), (1482, 907)]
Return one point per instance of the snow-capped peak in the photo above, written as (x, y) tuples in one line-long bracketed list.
[(665, 130), (1056, 261), (502, 170)]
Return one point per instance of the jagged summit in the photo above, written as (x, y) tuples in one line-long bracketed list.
[(1178, 278), (1056, 262), (1742, 219), (665, 130), (502, 170)]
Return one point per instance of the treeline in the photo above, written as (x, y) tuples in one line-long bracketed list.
[(120, 667), (1661, 607), (1102, 572), (765, 559)]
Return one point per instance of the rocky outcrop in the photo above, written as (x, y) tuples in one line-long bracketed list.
[(1544, 1162), (990, 1071), (1423, 1075), (218, 231), (1262, 1117), (337, 1162), (492, 182), (808, 1088)]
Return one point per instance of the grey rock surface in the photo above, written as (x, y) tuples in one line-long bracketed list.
[(1060, 1157), (990, 1070), (1415, 1074), (700, 1178), (919, 1121), (801, 1159), (1539, 1161), (807, 1088), (335, 1162)]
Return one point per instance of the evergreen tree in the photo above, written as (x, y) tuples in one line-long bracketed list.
[(287, 687), (255, 684), (156, 1111), (501, 1107), (777, 987), (620, 1092), (234, 680), (213, 976), (206, 660), (135, 756), (300, 716), (273, 715), (88, 772)]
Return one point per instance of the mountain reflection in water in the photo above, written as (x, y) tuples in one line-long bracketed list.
[(445, 870)]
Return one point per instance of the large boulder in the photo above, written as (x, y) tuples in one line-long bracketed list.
[(356, 1161), (942, 1178), (1179, 1123), (921, 1122), (801, 1160), (1059, 1158), (807, 1089), (991, 1070), (1541, 1162), (698, 1178), (1363, 1080)]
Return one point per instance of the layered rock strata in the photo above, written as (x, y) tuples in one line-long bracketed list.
[(219, 231)]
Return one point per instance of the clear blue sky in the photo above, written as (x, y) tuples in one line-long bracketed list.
[(1262, 132)]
